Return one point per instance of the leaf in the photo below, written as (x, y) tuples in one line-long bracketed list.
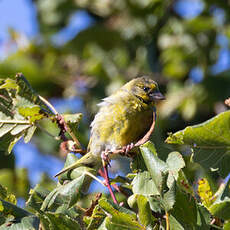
[(210, 142), (36, 198), (185, 210), (72, 121), (203, 218), (25, 223), (205, 192), (118, 217), (96, 219), (143, 184), (144, 212), (20, 107), (64, 196), (9, 208), (5, 195), (174, 224), (33, 113), (221, 206), (59, 221), (157, 168), (175, 163), (168, 199)]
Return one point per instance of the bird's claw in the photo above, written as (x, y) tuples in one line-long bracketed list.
[(126, 150)]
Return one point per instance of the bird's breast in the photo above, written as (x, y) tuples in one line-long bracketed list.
[(119, 124)]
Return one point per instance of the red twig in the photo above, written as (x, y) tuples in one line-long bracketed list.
[(106, 176)]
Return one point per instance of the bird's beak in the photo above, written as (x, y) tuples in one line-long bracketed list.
[(157, 96)]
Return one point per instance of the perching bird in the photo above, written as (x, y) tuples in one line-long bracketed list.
[(123, 119)]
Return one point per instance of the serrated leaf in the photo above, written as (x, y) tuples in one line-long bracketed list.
[(72, 121), (97, 218), (59, 221), (183, 183), (185, 210), (203, 218), (175, 163), (144, 212), (210, 142), (157, 168), (64, 196), (143, 184), (14, 210), (25, 223), (32, 113), (20, 106), (119, 217), (221, 206), (169, 198), (36, 198)]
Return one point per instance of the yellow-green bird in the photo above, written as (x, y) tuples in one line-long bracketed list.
[(123, 119)]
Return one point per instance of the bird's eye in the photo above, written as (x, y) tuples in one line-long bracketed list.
[(146, 89)]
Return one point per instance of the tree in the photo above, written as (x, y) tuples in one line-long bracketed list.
[(126, 39)]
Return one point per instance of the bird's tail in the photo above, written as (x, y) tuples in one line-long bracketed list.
[(89, 160)]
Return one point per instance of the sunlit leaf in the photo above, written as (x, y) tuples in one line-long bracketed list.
[(210, 142)]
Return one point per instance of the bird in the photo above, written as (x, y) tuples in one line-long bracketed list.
[(123, 118)]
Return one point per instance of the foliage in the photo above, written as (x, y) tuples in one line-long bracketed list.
[(124, 39), (158, 193)]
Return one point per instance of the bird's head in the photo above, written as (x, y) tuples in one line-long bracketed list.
[(144, 89)]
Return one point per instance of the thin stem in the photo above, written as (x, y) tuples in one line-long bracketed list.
[(48, 104), (56, 113), (94, 177), (105, 168), (72, 135), (15, 122), (167, 220)]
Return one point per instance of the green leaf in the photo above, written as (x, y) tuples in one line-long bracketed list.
[(118, 217), (20, 106), (33, 113), (210, 142), (13, 210), (168, 198), (226, 225), (64, 196), (144, 212), (72, 121), (185, 210), (203, 218), (5, 195), (157, 168), (174, 224), (175, 163), (25, 223), (97, 218), (59, 221), (36, 198), (221, 206), (143, 184)]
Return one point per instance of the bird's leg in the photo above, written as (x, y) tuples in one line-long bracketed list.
[(105, 161)]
